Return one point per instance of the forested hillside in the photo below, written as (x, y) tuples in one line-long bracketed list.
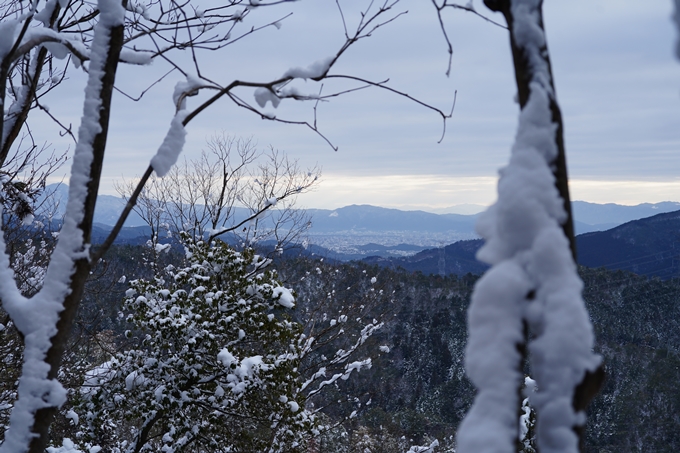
[(649, 246), (420, 391), (416, 389)]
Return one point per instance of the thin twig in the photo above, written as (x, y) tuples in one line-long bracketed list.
[(102, 249), (146, 89), (67, 130), (466, 8), (470, 9)]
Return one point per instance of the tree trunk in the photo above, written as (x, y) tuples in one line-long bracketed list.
[(524, 75), (44, 417)]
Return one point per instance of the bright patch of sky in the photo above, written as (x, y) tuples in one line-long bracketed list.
[(615, 73)]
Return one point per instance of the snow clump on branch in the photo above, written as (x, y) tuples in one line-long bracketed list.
[(314, 71), (172, 145), (533, 282), (174, 140)]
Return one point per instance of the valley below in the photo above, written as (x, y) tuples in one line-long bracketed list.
[(413, 273)]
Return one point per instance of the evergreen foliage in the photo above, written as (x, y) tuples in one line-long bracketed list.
[(416, 386), (213, 365)]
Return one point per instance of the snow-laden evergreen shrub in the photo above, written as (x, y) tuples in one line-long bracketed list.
[(212, 364)]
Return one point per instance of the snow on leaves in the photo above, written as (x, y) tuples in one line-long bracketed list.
[(214, 349), (214, 360)]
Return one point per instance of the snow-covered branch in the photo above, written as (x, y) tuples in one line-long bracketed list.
[(533, 282), (39, 392), (54, 41)]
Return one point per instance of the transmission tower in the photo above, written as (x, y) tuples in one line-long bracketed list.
[(442, 259)]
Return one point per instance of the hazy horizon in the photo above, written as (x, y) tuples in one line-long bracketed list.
[(461, 208), (616, 79)]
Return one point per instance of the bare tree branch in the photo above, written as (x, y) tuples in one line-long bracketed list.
[(468, 8)]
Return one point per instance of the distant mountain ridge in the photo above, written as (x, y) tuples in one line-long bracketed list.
[(373, 218), (359, 231), (602, 217), (457, 258), (106, 212), (649, 246), (610, 213)]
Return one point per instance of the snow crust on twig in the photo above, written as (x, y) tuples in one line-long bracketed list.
[(313, 71), (172, 145), (533, 280), (12, 114), (60, 44), (174, 140)]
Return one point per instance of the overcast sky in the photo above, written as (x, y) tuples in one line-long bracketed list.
[(617, 82)]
